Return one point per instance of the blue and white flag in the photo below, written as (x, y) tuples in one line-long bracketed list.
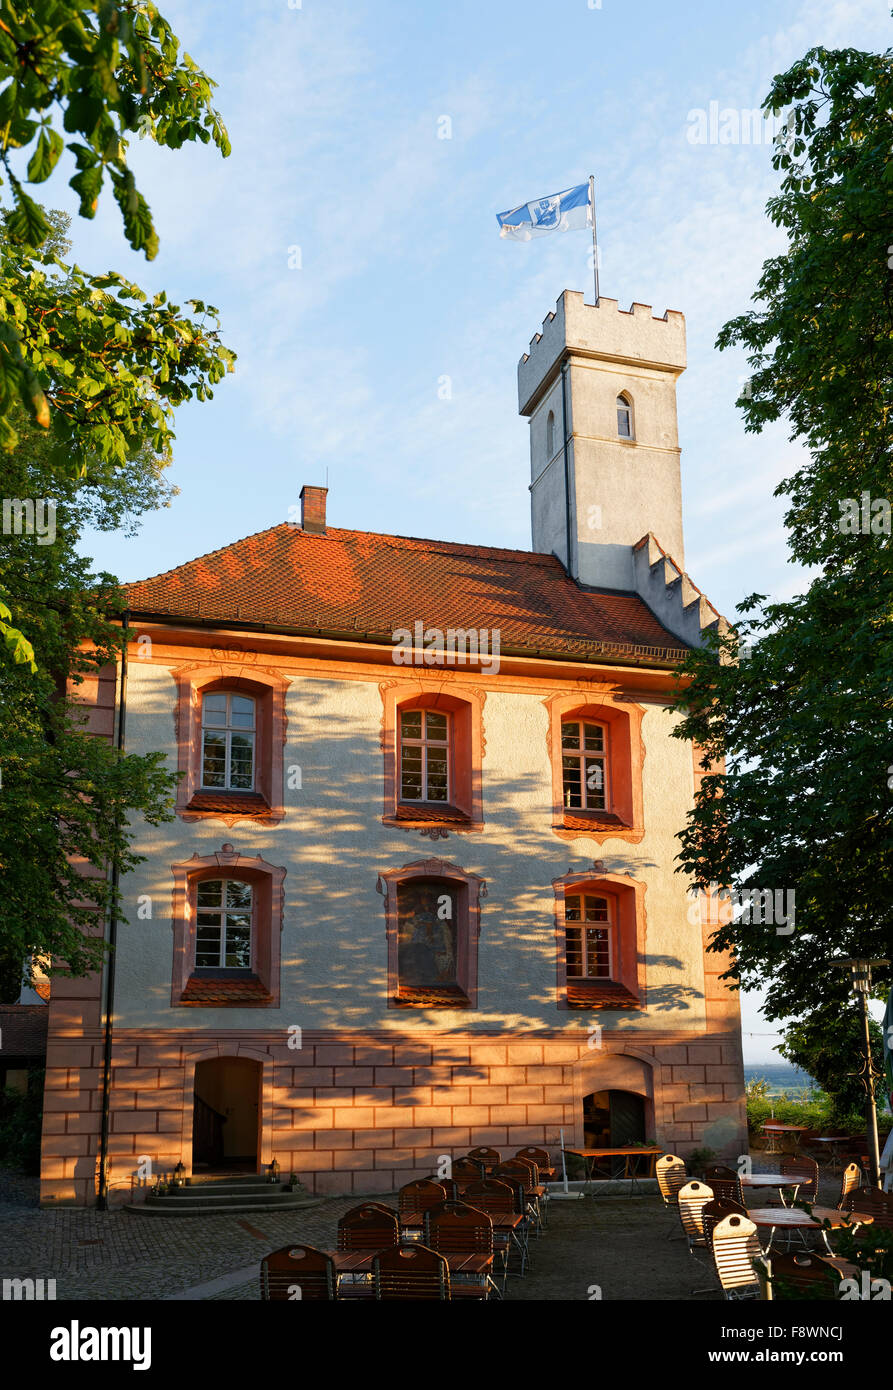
[(560, 212)]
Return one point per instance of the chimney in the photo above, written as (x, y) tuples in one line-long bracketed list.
[(313, 509)]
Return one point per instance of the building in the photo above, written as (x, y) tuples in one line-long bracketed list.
[(419, 893)]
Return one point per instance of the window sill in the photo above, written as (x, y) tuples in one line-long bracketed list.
[(423, 815), (230, 805), (202, 992), (593, 820), (609, 995), (431, 997)]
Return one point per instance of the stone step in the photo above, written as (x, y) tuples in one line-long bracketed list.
[(213, 1189), (160, 1206), (224, 1199)]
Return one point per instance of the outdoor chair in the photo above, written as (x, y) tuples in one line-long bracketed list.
[(735, 1248), (522, 1170), (420, 1195), (726, 1183), (850, 1181), (297, 1272), (693, 1198), (410, 1271), (468, 1168), (808, 1169), (871, 1201), (496, 1197), (368, 1227), (459, 1229), (543, 1160), (489, 1157), (671, 1174), (786, 1277), (716, 1211)]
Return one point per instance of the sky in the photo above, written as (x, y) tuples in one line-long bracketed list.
[(351, 246)]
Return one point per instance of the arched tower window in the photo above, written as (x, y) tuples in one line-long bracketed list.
[(624, 417), (550, 433)]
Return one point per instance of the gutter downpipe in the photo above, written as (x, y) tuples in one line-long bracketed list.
[(102, 1198), (567, 477)]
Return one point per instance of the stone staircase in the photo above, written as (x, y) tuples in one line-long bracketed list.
[(223, 1195)]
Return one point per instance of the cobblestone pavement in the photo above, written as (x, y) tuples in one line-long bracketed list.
[(616, 1245)]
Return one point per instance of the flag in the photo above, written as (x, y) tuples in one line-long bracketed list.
[(559, 212)]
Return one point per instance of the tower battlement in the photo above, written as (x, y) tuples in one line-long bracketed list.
[(633, 336)]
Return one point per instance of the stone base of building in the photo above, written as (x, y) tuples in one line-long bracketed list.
[(368, 1113)]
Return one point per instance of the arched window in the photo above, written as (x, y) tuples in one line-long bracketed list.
[(624, 417), (550, 434), (588, 936), (223, 924), (584, 764), (424, 755), (228, 730)]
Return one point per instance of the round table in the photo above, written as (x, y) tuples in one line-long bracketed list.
[(832, 1141), (778, 1180), (775, 1131), (790, 1219)]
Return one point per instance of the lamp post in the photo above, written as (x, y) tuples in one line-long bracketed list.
[(860, 980)]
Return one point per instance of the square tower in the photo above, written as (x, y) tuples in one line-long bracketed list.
[(599, 388)]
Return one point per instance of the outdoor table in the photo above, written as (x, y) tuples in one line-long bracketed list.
[(790, 1219), (630, 1153), (833, 1141), (779, 1180), (775, 1132), (355, 1266)]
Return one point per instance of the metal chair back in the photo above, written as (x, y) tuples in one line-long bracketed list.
[(368, 1227), (735, 1247), (671, 1174), (693, 1198), (297, 1272), (410, 1271)]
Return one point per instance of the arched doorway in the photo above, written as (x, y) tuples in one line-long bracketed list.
[(611, 1120), (226, 1117)]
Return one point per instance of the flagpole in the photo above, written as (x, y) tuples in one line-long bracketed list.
[(594, 238)]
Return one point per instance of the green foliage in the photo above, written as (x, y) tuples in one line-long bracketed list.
[(815, 1109), (699, 1159), (98, 71), (820, 1044), (797, 739), (21, 1119)]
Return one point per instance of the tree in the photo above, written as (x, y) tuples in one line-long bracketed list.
[(799, 701), (94, 362)]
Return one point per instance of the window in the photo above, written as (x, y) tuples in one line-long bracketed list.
[(432, 914), (583, 764), (228, 729), (588, 937), (600, 931), (424, 755), (226, 915), (624, 418), (596, 756), (223, 929), (550, 434), (426, 933)]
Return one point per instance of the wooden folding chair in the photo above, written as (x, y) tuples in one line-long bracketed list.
[(459, 1229), (543, 1160), (523, 1171), (420, 1195), (799, 1276), (489, 1157), (468, 1168), (368, 1227), (494, 1197), (297, 1272), (410, 1271), (735, 1249), (693, 1198), (716, 1211), (850, 1182), (671, 1174), (726, 1183)]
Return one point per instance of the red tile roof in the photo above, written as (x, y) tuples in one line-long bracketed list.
[(23, 1028), (432, 997), (366, 586), (224, 801)]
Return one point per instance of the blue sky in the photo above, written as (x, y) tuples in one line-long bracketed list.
[(334, 111)]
